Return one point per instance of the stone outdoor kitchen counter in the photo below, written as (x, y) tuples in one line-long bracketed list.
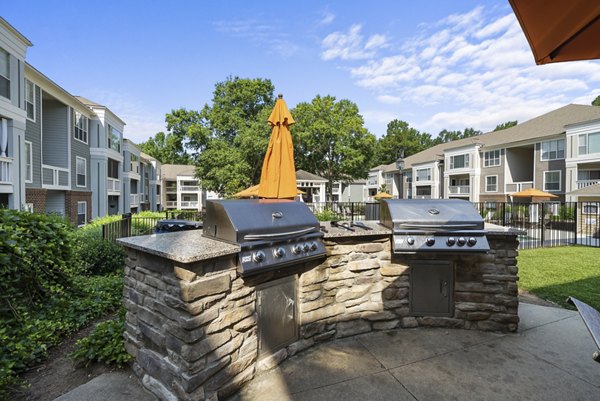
[(192, 321)]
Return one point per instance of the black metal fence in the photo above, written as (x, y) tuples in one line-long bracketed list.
[(131, 226), (327, 211)]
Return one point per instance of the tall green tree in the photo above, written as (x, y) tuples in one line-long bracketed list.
[(505, 125), (330, 140), (448, 136), (400, 138), (166, 148), (596, 101)]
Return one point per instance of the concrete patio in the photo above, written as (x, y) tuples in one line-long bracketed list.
[(548, 359)]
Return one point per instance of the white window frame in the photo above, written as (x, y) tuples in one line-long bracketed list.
[(83, 130), (29, 177), (466, 161), (487, 161), (548, 143), (77, 172), (487, 185), (559, 180), (4, 53), (84, 213), (31, 101), (586, 145), (586, 208), (428, 169)]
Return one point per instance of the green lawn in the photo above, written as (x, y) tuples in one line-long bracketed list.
[(556, 273)]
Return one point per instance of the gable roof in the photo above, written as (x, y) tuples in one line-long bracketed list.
[(306, 176), (172, 171), (593, 190)]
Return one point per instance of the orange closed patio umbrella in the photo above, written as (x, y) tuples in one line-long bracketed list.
[(278, 177)]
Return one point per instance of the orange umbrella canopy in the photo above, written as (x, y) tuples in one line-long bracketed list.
[(560, 30), (278, 177), (252, 191), (532, 192)]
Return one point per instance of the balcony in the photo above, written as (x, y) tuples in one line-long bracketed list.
[(113, 185), (518, 186), (5, 170), (582, 183), (188, 188), (171, 190), (459, 190), (134, 199), (171, 205), (189, 204), (55, 177)]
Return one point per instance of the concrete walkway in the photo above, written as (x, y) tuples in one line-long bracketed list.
[(549, 359)]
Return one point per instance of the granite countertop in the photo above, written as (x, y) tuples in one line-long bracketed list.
[(336, 232), (183, 247)]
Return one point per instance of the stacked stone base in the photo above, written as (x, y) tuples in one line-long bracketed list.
[(193, 327)]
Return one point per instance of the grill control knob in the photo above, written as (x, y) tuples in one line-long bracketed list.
[(306, 247), (472, 241), (279, 252), (461, 241), (258, 256), (410, 241), (430, 241), (451, 241), (313, 246), (297, 249)]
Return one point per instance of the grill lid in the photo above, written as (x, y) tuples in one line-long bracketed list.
[(247, 220), (430, 215)]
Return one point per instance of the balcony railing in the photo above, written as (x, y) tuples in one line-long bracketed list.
[(171, 190), (113, 185), (134, 199), (189, 204), (171, 204), (5, 170), (586, 183), (459, 190), (55, 177), (189, 188), (518, 186)]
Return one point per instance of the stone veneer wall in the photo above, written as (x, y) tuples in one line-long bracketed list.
[(193, 327)]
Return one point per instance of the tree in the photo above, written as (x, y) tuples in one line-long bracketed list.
[(596, 101), (400, 137), (448, 136), (505, 125), (330, 140), (222, 168), (168, 149)]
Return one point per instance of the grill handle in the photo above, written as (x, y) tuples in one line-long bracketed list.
[(254, 237), (408, 225)]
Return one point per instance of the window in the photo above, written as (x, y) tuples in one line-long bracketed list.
[(553, 150), (114, 138), (460, 161), (28, 166), (135, 165), (590, 207), (491, 158), (80, 127), (424, 174), (81, 213), (491, 183), (589, 143), (588, 175), (4, 73), (81, 167), (30, 99), (552, 180)]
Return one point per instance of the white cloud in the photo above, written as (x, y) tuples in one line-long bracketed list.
[(473, 69), (349, 45), (327, 19)]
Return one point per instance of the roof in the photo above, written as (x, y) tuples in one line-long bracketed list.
[(172, 171), (89, 102), (148, 157), (306, 176), (593, 189), (547, 125), (15, 32)]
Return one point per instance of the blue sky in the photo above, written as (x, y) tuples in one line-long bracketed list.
[(435, 64)]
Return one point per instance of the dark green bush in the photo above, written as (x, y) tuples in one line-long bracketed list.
[(96, 256), (105, 343), (327, 215)]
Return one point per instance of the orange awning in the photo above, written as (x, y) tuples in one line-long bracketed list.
[(560, 30), (278, 177), (382, 195), (533, 193)]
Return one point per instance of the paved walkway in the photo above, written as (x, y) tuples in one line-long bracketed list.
[(549, 359)]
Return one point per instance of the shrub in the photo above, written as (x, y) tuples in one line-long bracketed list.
[(94, 255), (105, 343), (327, 215)]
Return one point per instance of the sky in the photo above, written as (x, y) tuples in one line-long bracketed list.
[(435, 64)]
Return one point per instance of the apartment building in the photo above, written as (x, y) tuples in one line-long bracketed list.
[(181, 189), (151, 195), (558, 152)]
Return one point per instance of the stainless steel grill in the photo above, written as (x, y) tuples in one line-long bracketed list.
[(272, 233), (434, 225)]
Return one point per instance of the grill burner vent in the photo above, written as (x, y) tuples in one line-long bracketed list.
[(434, 225)]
